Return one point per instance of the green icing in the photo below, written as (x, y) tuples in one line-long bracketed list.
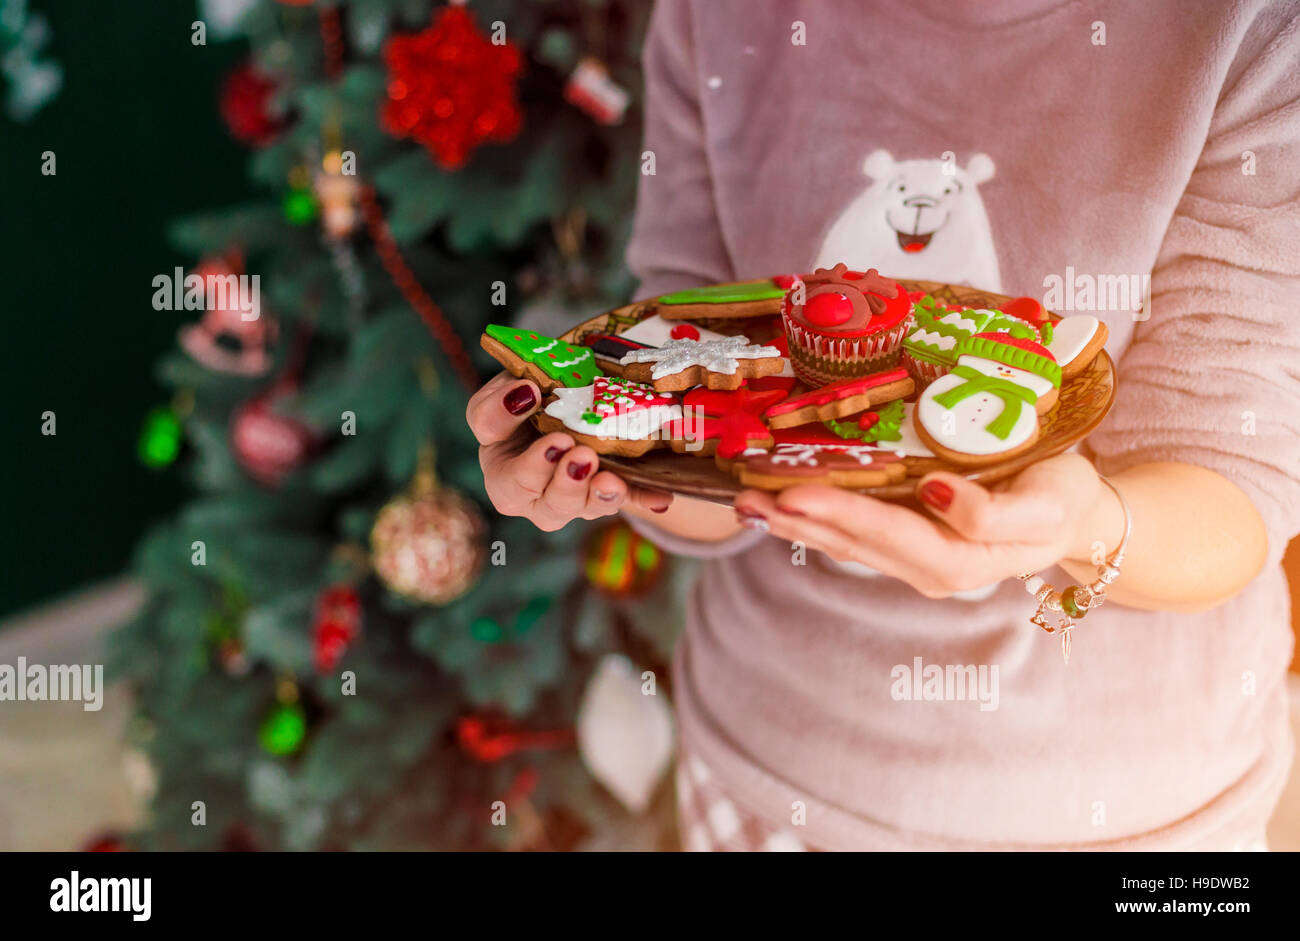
[(571, 366), (726, 293), (1045, 333), (929, 318), (888, 428), (1012, 356)]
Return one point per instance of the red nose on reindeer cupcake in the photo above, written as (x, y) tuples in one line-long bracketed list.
[(841, 324)]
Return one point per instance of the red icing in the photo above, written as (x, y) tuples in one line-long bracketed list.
[(827, 318), (839, 390), (813, 432), (729, 416), (1025, 308), (868, 420), (608, 389), (828, 310), (1020, 343), (684, 331)]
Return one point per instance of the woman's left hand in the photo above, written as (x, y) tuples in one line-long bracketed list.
[(972, 537)]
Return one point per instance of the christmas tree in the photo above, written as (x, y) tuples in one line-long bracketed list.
[(343, 646)]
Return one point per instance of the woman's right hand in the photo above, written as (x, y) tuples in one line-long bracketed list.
[(549, 480)]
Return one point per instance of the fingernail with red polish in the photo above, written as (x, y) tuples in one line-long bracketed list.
[(579, 471), (752, 520), (936, 494), (520, 399), (659, 509), (553, 453)]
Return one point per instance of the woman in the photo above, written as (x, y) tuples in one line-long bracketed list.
[(1036, 147)]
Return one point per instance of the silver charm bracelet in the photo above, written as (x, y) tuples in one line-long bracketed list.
[(1068, 607)]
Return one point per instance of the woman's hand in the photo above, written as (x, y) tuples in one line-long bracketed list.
[(971, 537), (548, 480)]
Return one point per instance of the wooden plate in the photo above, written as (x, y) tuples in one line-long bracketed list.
[(1083, 403)]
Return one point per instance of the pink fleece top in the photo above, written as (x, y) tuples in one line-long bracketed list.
[(1123, 145)]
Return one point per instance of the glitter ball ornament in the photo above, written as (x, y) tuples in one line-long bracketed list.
[(268, 445), (429, 544), (451, 88)]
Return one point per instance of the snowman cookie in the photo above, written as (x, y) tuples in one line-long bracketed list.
[(611, 416), (986, 409)]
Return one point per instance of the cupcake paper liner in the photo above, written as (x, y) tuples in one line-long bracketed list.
[(819, 360)]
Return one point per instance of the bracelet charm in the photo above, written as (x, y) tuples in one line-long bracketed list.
[(1069, 607)]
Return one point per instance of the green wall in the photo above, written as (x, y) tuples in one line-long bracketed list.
[(138, 142)]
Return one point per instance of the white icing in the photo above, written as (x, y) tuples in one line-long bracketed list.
[(720, 356), (935, 339), (656, 331), (1071, 336), (959, 318), (971, 415), (571, 404), (796, 454)]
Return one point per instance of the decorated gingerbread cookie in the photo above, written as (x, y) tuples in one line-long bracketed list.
[(723, 301), (929, 349), (612, 416), (986, 409), (841, 464), (846, 397), (609, 348), (1075, 343), (547, 361), (726, 422), (656, 331), (678, 365)]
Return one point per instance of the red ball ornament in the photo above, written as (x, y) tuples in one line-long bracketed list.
[(451, 88), (267, 445), (828, 310), (336, 625), (246, 105)]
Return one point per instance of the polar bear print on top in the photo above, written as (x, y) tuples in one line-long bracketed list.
[(918, 219)]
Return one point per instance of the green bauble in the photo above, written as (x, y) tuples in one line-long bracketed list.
[(283, 731), (160, 438), (300, 207)]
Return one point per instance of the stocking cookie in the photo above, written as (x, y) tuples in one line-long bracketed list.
[(791, 463), (986, 409), (841, 398), (612, 416), (678, 365), (717, 301), (725, 423), (1075, 343), (545, 360)]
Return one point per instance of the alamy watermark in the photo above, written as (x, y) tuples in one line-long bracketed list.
[(212, 291), (73, 682), (953, 682)]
